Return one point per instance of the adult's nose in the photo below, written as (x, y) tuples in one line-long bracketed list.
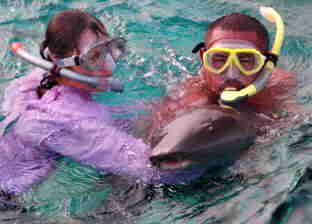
[(232, 72)]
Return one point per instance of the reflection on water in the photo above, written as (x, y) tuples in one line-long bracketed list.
[(161, 35)]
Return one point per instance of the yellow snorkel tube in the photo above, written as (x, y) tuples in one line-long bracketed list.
[(230, 97)]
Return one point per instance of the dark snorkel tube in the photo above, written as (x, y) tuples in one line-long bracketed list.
[(106, 84), (232, 98)]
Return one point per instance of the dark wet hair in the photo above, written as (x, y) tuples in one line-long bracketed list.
[(63, 35), (238, 22), (65, 28)]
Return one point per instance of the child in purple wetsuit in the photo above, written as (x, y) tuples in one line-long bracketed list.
[(48, 115)]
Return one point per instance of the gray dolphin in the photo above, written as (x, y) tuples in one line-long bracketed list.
[(209, 135)]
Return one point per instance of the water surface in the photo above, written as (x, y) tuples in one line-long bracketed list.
[(161, 35)]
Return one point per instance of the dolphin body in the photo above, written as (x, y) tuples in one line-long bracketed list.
[(210, 135)]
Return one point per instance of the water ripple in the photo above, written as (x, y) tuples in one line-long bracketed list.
[(161, 35)]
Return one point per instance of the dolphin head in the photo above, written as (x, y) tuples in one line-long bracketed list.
[(210, 135)]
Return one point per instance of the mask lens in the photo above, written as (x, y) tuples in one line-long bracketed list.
[(248, 61), (117, 48), (217, 59), (97, 57)]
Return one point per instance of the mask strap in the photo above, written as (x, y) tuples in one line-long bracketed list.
[(270, 57), (44, 50), (198, 47), (67, 62)]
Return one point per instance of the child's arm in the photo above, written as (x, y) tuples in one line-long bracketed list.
[(88, 140), (95, 143)]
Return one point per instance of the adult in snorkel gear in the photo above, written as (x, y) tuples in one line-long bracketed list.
[(238, 72), (234, 58), (60, 118)]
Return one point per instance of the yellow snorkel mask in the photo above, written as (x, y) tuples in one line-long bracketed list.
[(248, 61)]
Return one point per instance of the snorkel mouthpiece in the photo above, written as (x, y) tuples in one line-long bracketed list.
[(233, 98), (106, 84)]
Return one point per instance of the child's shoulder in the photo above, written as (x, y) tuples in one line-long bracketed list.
[(29, 81), (21, 90)]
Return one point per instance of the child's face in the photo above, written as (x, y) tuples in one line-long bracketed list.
[(231, 76), (88, 38)]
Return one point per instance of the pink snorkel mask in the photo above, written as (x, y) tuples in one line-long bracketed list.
[(99, 56), (105, 54)]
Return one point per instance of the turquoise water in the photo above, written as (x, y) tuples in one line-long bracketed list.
[(161, 35)]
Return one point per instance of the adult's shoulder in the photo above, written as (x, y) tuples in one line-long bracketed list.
[(280, 74)]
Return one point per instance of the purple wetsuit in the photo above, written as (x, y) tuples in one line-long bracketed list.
[(67, 122)]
